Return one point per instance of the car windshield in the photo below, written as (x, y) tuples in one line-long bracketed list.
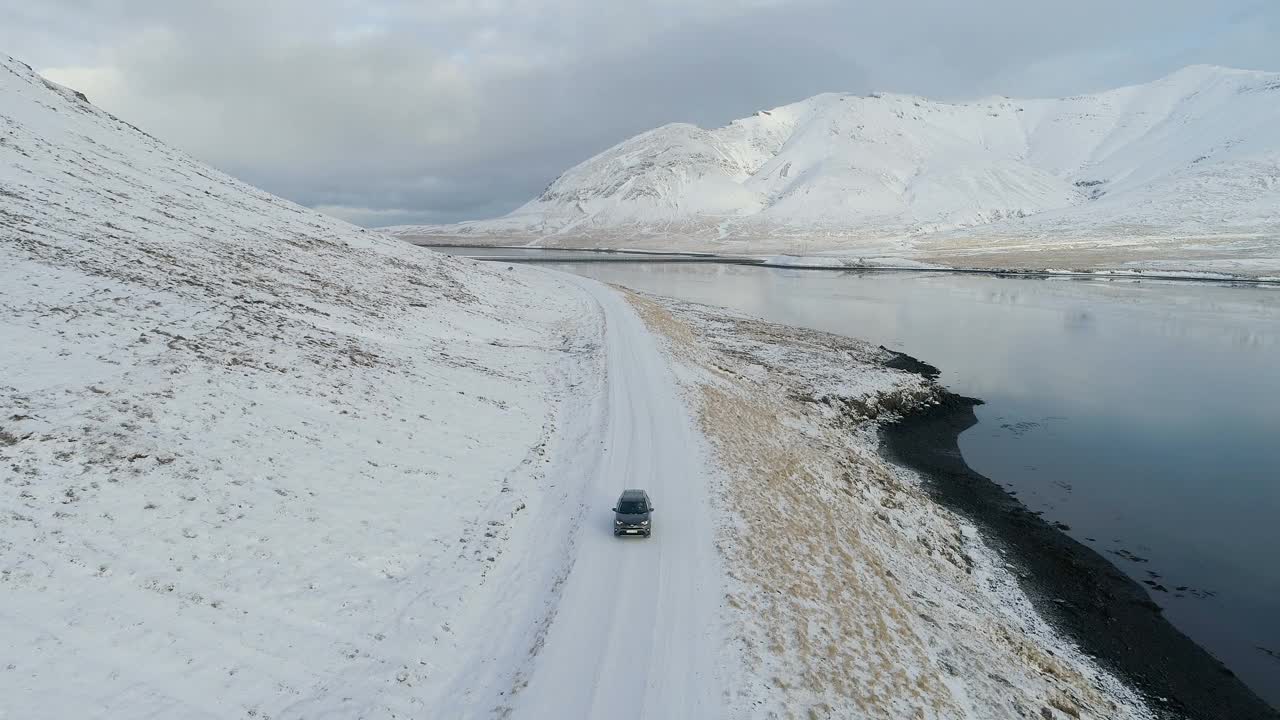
[(631, 507)]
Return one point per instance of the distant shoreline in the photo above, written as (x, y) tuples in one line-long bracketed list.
[(602, 255), (1107, 614)]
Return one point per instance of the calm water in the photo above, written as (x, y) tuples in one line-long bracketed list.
[(1144, 415), (556, 253)]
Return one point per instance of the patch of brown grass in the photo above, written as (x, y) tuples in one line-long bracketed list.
[(817, 611), (823, 595), (661, 321)]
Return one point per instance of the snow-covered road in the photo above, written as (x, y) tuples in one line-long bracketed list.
[(635, 632)]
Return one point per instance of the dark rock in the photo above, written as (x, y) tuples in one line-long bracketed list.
[(1113, 618), (902, 361)]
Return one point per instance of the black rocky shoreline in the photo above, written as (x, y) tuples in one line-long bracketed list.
[(1105, 612)]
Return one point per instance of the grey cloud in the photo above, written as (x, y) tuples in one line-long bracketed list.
[(391, 111)]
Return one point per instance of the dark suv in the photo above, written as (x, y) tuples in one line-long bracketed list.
[(632, 514)]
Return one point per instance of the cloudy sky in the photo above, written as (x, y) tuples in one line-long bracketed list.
[(387, 111)]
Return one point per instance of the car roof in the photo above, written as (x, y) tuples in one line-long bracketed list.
[(634, 494)]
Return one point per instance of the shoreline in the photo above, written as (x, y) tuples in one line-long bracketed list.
[(677, 256), (1107, 614), (849, 590)]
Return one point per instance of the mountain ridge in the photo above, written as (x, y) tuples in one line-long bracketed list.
[(1195, 154)]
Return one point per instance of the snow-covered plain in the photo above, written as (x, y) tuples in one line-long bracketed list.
[(256, 462), (1182, 173)]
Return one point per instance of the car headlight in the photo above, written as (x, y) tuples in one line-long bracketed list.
[(644, 522), (617, 522)]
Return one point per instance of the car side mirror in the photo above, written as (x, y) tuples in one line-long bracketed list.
[(652, 509), (614, 509)]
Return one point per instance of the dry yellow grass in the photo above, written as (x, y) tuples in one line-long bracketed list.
[(851, 594), (822, 594)]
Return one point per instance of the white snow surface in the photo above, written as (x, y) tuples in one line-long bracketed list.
[(636, 629), (1188, 164), (257, 462)]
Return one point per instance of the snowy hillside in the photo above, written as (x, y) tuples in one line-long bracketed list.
[(1195, 155), (250, 456)]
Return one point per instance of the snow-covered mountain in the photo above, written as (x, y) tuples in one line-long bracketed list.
[(1196, 153)]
